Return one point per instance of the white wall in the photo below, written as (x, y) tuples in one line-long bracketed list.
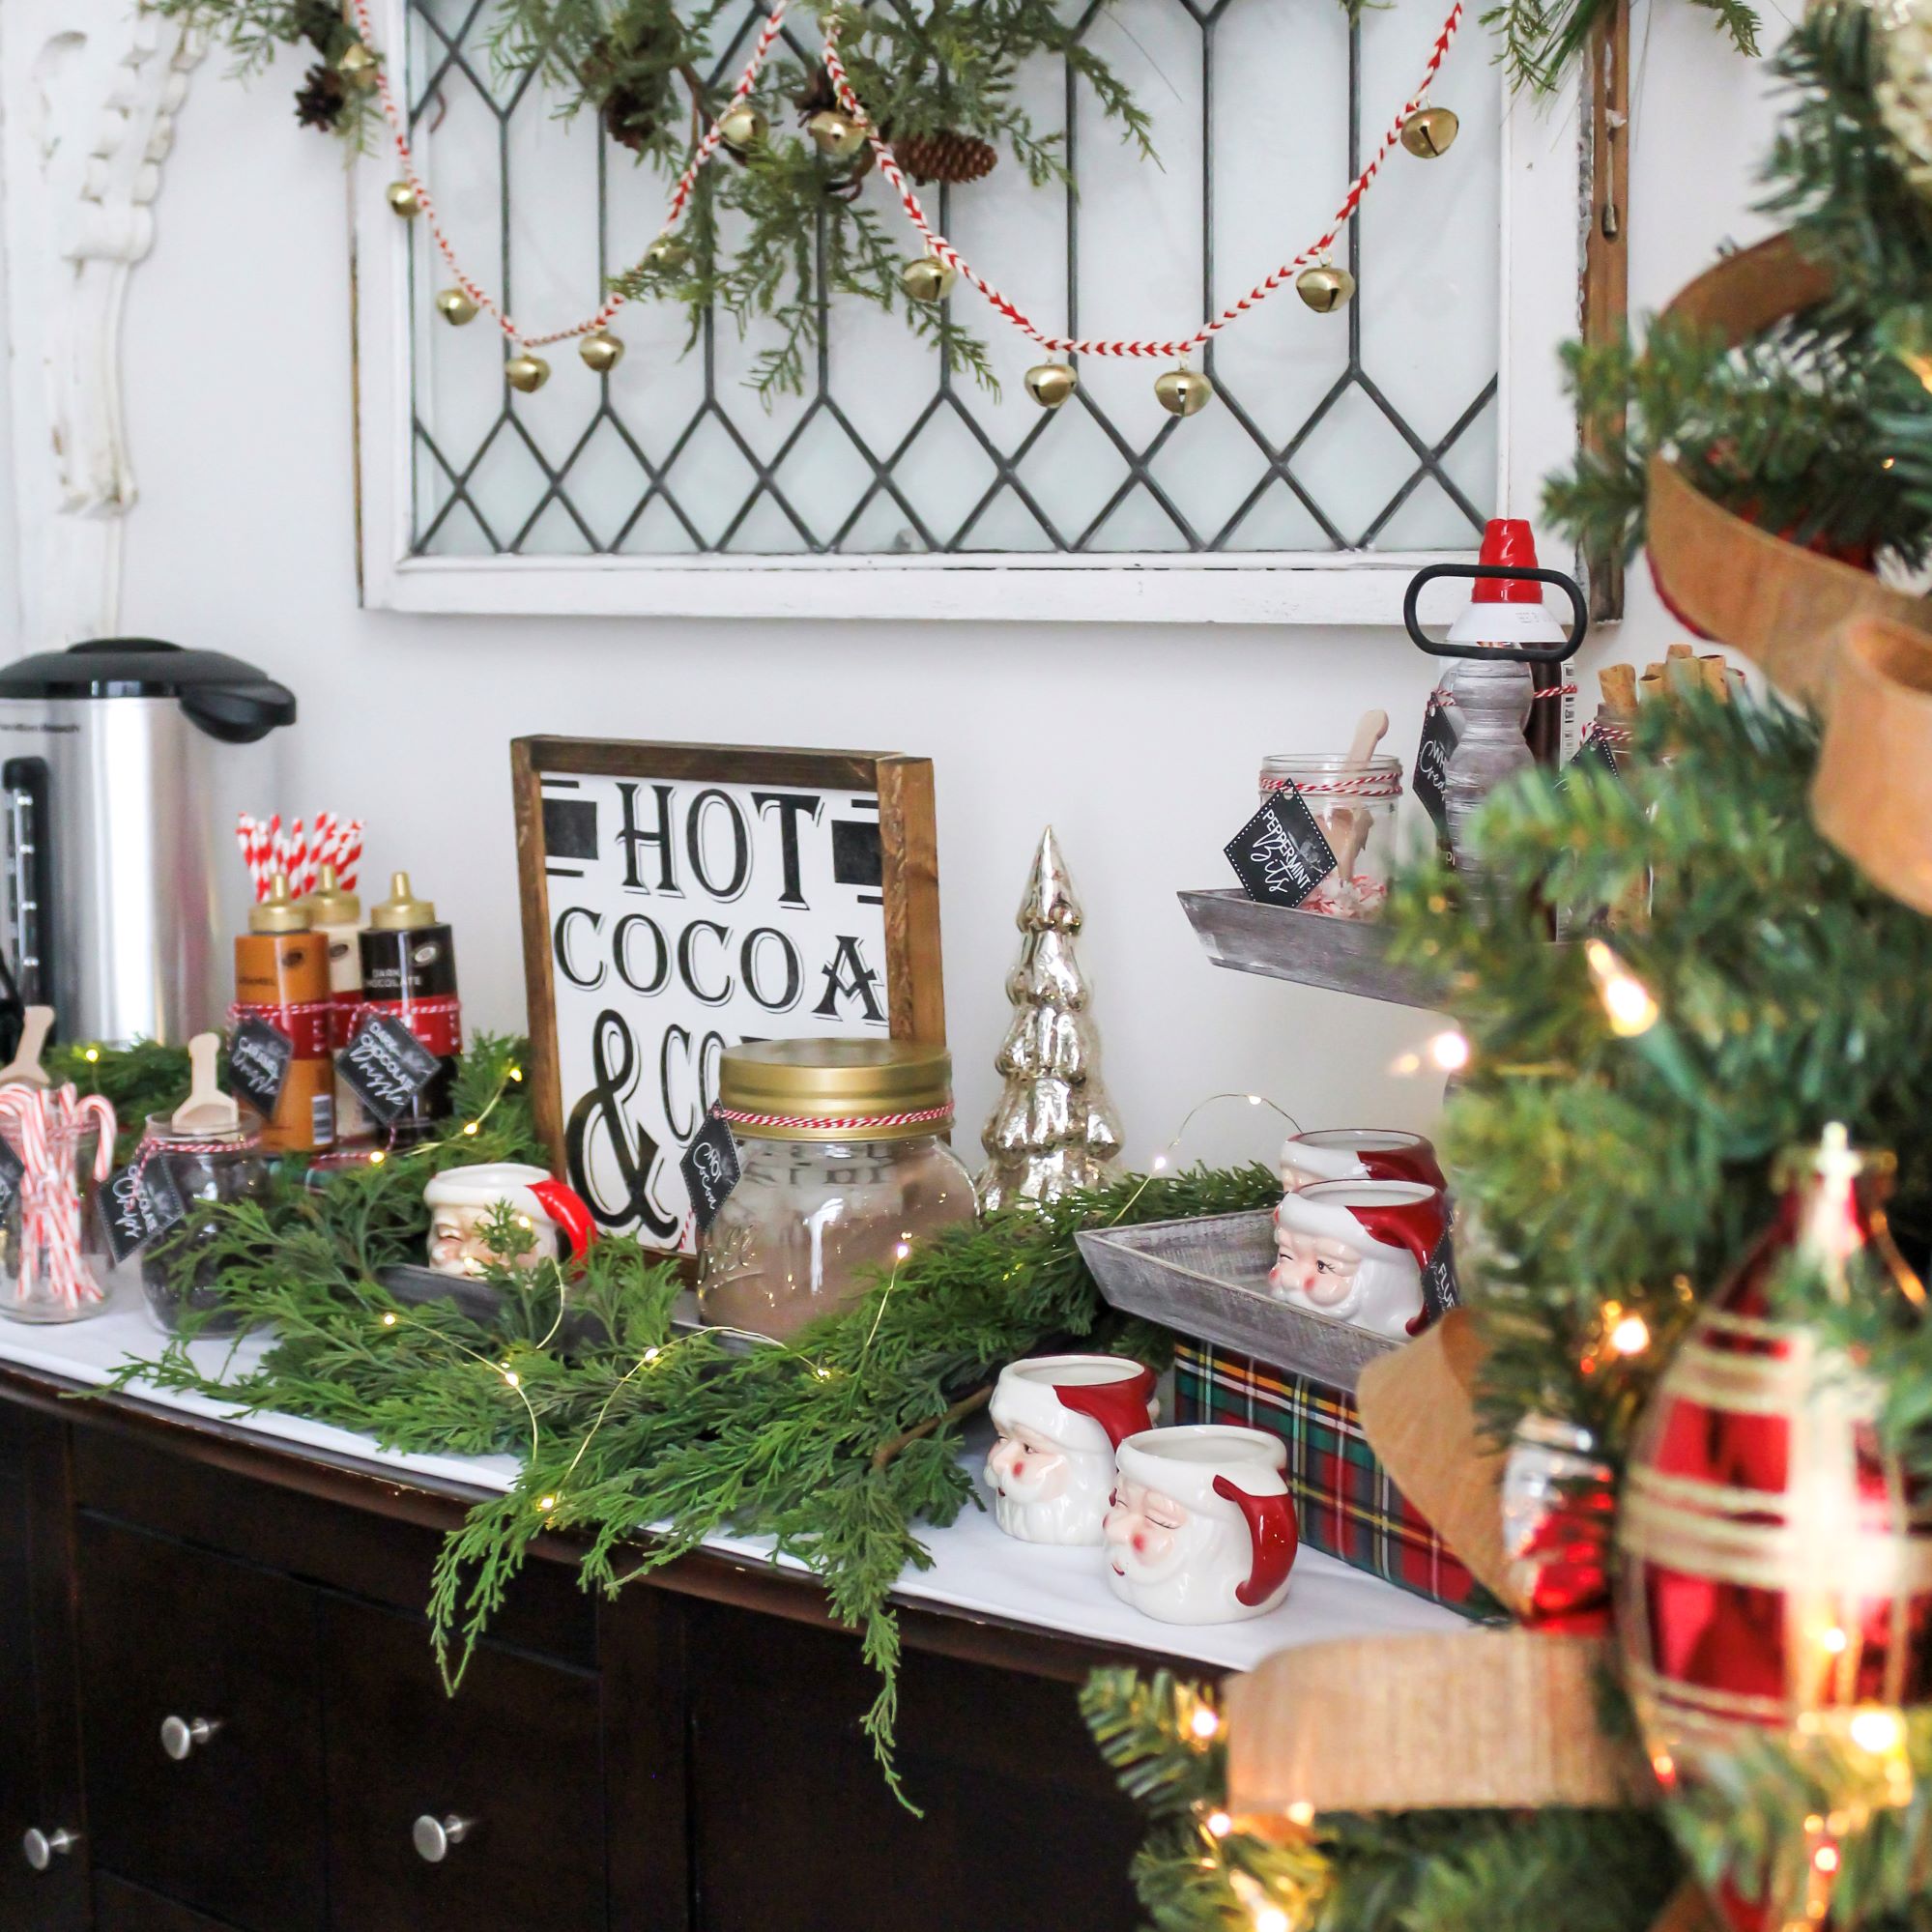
[(1140, 744)]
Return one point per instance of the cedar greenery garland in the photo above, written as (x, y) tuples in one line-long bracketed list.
[(839, 1445)]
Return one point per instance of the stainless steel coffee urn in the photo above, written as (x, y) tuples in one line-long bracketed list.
[(124, 764)]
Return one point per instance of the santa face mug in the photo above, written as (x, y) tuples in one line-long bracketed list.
[(1358, 1154), (1061, 1418), (462, 1199), (1355, 1252), (1201, 1529)]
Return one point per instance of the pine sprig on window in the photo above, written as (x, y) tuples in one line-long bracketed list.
[(1542, 39)]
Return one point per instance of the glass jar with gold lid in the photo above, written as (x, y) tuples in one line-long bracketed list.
[(842, 1167)]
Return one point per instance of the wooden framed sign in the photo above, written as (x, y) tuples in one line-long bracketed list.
[(678, 899)]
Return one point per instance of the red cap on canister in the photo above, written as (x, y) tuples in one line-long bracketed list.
[(1506, 542)]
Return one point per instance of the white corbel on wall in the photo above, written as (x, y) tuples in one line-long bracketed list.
[(88, 94)]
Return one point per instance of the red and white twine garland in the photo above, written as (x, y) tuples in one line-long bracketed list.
[(855, 1123), (473, 289), (944, 251), (936, 243)]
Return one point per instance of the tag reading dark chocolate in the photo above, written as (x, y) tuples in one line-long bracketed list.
[(259, 1057), (1439, 1290), (1431, 783), (12, 1171), (710, 1170), (138, 1204), (1279, 855), (386, 1066)]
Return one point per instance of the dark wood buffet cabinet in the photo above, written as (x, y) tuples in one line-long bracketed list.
[(218, 1709)]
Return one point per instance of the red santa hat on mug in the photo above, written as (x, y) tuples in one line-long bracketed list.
[(1401, 1217), (1506, 610), (550, 1205), (1082, 1401)]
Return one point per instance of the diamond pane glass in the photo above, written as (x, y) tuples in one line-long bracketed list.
[(1372, 428)]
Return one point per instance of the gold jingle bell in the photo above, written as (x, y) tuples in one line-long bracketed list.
[(927, 279), (357, 66), (404, 199), (668, 255), (1051, 384), (835, 135), (1430, 131), (1324, 287), (1183, 391), (742, 126), (456, 307), (527, 372), (601, 351)]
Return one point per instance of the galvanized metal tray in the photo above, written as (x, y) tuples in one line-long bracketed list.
[(1207, 1277)]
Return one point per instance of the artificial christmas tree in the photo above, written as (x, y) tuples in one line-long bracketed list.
[(1053, 1128)]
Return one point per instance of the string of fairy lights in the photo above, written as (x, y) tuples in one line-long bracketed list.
[(839, 134)]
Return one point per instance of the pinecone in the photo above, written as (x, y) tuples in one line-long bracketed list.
[(816, 95), (947, 156), (320, 98), (630, 89)]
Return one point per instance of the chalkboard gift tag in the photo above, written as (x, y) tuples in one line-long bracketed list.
[(386, 1066), (12, 1171), (1439, 1290), (710, 1170), (1594, 754), (1430, 782), (139, 1204), (1279, 855), (259, 1056)]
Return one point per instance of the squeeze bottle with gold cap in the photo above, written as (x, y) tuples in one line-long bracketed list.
[(409, 971), (282, 978), (336, 917)]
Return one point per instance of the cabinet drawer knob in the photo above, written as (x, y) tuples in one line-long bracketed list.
[(181, 1735), (43, 1848), (432, 1836)]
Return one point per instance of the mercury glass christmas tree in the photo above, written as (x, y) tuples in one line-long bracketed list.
[(1053, 1128)]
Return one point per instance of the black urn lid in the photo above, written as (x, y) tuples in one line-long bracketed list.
[(229, 699)]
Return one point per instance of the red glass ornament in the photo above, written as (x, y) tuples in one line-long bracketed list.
[(1558, 1501), (1773, 1559)]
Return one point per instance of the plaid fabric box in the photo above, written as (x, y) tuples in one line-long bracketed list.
[(1344, 1498)]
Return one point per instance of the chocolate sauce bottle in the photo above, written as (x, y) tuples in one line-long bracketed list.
[(409, 969)]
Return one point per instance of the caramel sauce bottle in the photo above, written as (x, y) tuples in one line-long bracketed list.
[(281, 977)]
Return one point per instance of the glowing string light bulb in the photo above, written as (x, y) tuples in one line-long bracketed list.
[(1877, 1730), (1628, 1001)]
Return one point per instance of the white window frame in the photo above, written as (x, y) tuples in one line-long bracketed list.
[(1544, 210)]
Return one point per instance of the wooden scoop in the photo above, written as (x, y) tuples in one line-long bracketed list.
[(206, 1109), (25, 1069), (1349, 827)]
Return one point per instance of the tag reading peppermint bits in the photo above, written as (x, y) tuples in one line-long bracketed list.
[(140, 1203), (1279, 855), (1439, 1291), (259, 1057), (1431, 783), (710, 1170), (386, 1066)]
